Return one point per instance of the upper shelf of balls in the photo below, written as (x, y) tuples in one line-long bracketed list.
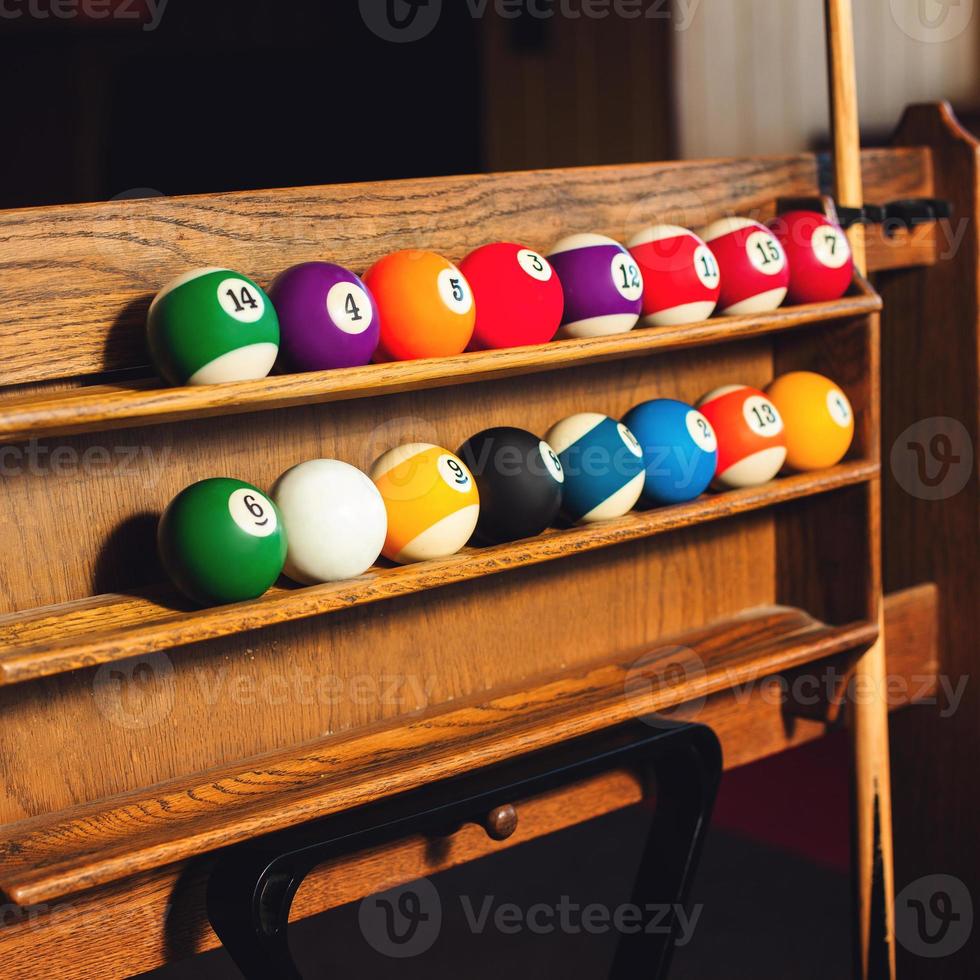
[(214, 326), (223, 345)]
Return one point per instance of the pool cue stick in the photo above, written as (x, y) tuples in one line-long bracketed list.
[(872, 842)]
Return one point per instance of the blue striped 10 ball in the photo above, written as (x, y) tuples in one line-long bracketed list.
[(603, 467)]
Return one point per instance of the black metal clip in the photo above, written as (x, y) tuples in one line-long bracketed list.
[(252, 886), (913, 211), (904, 214), (869, 214)]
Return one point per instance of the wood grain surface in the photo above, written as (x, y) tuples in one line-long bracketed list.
[(81, 277), (159, 917), (93, 631), (49, 858)]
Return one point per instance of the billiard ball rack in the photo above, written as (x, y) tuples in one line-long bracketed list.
[(148, 401), (734, 590), (50, 641)]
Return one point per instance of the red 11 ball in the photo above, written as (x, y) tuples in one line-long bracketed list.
[(754, 269), (519, 298), (681, 282), (820, 263)]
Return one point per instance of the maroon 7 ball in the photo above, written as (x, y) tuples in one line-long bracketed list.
[(327, 318), (820, 263)]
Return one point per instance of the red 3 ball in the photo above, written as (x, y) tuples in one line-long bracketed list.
[(820, 263), (753, 265), (519, 298), (681, 282)]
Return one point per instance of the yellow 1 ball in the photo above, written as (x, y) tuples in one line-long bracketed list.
[(818, 418)]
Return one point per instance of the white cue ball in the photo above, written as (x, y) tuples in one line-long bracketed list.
[(335, 521)]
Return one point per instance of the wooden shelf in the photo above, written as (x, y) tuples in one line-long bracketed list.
[(106, 407), (57, 855), (56, 639), (148, 922)]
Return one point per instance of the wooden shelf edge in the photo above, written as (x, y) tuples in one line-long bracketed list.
[(45, 642), (911, 619), (104, 408), (172, 899), (51, 857)]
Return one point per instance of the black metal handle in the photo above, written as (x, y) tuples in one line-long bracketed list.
[(906, 214), (251, 889)]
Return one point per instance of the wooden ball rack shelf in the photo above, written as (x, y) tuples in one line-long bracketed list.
[(106, 407), (119, 812), (99, 630)]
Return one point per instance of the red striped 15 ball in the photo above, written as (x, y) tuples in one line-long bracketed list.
[(751, 435), (820, 263), (681, 281), (753, 265)]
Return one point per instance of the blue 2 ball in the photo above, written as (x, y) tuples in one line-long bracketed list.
[(680, 450)]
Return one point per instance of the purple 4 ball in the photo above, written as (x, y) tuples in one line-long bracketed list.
[(327, 318)]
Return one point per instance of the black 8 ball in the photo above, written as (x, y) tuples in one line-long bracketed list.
[(520, 482)]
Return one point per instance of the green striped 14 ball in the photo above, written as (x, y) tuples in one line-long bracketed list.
[(211, 326)]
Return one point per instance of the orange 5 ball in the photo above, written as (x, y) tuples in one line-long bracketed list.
[(425, 304)]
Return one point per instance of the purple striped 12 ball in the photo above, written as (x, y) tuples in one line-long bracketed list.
[(603, 286), (327, 318)]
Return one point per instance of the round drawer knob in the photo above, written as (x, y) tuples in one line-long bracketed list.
[(501, 822)]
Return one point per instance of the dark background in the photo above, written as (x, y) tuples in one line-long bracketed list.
[(239, 94)]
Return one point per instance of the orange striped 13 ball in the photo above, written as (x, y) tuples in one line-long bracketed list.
[(751, 435)]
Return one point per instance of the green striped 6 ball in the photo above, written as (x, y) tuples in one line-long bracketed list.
[(210, 326), (222, 541)]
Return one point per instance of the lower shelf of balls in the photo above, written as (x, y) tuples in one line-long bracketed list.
[(57, 639)]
